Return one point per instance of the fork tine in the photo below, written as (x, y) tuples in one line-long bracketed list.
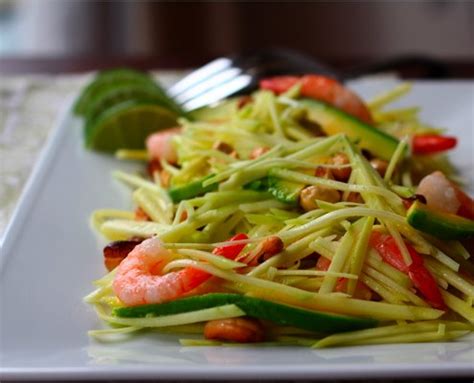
[(209, 83), (218, 93), (199, 75)]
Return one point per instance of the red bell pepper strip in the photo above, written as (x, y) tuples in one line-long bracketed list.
[(323, 264), (417, 272), (231, 251), (324, 89), (432, 143), (466, 209), (198, 277), (361, 291)]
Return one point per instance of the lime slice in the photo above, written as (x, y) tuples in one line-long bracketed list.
[(109, 97), (126, 125), (110, 79)]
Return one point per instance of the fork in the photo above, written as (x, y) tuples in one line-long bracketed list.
[(227, 76)]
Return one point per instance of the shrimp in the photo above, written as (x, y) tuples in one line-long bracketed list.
[(322, 88), (442, 194), (139, 281), (160, 145)]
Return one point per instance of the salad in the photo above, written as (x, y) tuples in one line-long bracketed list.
[(298, 214)]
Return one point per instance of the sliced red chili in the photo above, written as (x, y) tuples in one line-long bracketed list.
[(198, 277), (417, 272), (231, 251), (432, 143), (424, 281), (323, 263), (466, 209), (361, 291)]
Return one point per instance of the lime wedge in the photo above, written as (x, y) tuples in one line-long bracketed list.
[(126, 125), (111, 96), (111, 79)]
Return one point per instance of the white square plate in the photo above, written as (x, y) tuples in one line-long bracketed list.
[(50, 256)]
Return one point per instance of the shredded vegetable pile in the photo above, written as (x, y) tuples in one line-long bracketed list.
[(280, 218)]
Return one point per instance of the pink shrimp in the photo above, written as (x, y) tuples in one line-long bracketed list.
[(139, 280), (442, 194), (322, 88), (160, 145)]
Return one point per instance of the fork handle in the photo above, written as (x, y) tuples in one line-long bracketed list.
[(413, 66), (278, 61)]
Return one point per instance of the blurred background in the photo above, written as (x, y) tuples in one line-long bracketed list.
[(186, 34)]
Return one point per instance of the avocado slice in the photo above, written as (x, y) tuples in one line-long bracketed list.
[(258, 185), (278, 313), (285, 191), (191, 190), (198, 302), (439, 224), (334, 121), (282, 190)]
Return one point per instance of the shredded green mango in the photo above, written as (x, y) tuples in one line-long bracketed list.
[(263, 169)]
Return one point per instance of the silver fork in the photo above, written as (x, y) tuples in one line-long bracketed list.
[(209, 84), (227, 76)]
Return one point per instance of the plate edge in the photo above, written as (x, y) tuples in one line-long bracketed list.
[(35, 180)]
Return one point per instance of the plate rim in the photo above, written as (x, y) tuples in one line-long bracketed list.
[(337, 371), (35, 180)]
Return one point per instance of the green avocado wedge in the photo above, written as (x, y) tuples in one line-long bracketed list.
[(283, 190), (439, 224), (191, 190), (198, 302), (260, 184), (334, 121), (277, 313)]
